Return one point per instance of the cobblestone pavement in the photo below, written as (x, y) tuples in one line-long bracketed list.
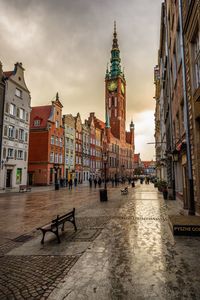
[(123, 248)]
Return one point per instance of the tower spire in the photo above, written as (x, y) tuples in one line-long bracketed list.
[(115, 69), (115, 41)]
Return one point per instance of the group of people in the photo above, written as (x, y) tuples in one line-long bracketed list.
[(95, 181)]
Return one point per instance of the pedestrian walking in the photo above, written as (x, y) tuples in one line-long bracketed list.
[(70, 184), (99, 182), (75, 181), (90, 182), (95, 183)]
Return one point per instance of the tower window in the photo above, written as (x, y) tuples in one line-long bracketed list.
[(115, 101), (109, 102)]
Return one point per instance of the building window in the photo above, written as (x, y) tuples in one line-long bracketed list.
[(18, 93), (109, 102), (10, 153), (11, 131), (57, 123), (21, 134), (60, 142), (56, 158), (174, 65), (52, 140), (19, 176), (51, 157), (60, 158), (12, 109), (196, 60), (22, 114), (20, 154), (115, 101), (36, 122)]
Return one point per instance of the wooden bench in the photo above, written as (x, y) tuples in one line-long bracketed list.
[(24, 188), (124, 191), (55, 223)]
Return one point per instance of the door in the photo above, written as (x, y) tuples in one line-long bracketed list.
[(8, 178), (30, 178)]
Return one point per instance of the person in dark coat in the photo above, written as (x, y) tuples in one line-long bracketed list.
[(75, 181), (99, 182), (90, 182), (70, 184), (95, 183)]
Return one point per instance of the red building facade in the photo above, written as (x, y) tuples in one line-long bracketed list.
[(46, 150)]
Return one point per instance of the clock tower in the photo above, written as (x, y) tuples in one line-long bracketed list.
[(115, 93)]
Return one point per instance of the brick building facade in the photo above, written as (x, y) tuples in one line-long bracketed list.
[(46, 144), (120, 146)]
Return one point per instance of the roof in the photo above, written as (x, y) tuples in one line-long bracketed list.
[(128, 137), (98, 123), (148, 163), (41, 113), (7, 74), (136, 157)]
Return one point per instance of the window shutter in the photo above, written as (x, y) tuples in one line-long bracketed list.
[(16, 134), (25, 155), (26, 116), (5, 130), (15, 154), (4, 153), (18, 112), (26, 137), (7, 107)]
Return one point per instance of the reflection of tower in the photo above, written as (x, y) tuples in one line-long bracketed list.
[(115, 92)]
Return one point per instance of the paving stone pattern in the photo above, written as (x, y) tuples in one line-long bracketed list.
[(32, 277), (123, 249)]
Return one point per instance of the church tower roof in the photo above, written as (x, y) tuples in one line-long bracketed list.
[(115, 60)]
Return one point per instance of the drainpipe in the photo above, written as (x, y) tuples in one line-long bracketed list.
[(186, 119)]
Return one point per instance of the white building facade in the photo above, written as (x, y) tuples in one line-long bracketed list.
[(15, 135)]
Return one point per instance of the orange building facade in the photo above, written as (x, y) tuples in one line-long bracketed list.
[(46, 144)]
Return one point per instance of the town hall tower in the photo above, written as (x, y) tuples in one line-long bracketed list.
[(115, 93)]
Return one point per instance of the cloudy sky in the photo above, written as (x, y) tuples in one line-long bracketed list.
[(65, 45)]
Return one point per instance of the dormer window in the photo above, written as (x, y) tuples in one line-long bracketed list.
[(36, 122)]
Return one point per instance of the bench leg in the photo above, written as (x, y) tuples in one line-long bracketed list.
[(57, 235), (43, 235), (74, 223)]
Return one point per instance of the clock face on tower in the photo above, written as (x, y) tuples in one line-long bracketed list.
[(112, 86), (122, 88)]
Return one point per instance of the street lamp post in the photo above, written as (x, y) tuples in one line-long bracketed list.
[(57, 186), (103, 192)]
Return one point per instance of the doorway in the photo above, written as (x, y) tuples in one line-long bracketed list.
[(9, 179)]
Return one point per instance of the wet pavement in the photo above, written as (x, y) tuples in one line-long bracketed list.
[(123, 248)]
